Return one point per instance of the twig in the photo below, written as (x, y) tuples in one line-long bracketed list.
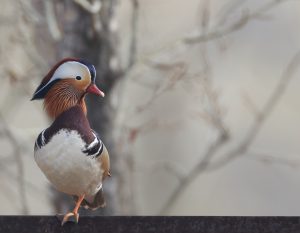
[(214, 114), (228, 10), (249, 104), (172, 169), (179, 72), (235, 26), (187, 179), (271, 159), (210, 36)]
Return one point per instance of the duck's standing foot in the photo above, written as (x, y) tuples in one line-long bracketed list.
[(74, 215), (70, 217)]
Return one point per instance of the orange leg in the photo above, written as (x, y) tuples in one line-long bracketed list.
[(74, 212)]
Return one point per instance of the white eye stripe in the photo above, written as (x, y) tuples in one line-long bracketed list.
[(70, 69)]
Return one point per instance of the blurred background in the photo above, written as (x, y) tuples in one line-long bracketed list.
[(201, 114)]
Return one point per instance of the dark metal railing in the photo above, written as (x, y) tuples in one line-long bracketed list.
[(145, 224)]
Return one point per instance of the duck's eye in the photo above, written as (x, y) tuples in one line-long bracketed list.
[(78, 77)]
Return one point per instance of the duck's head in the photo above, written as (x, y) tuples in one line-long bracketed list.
[(66, 85)]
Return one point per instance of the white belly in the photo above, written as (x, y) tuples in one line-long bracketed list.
[(67, 167)]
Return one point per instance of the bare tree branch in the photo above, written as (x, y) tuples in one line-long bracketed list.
[(178, 73), (205, 164), (271, 159), (235, 26), (264, 114), (51, 20), (228, 10), (30, 12)]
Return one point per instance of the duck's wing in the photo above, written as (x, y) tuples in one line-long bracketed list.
[(97, 150)]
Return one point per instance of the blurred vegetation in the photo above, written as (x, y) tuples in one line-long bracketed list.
[(153, 95)]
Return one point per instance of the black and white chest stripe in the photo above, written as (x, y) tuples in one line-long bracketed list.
[(40, 141), (94, 149)]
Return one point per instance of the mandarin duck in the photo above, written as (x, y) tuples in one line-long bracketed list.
[(69, 152)]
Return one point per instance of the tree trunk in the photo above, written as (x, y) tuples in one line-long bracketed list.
[(94, 37)]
